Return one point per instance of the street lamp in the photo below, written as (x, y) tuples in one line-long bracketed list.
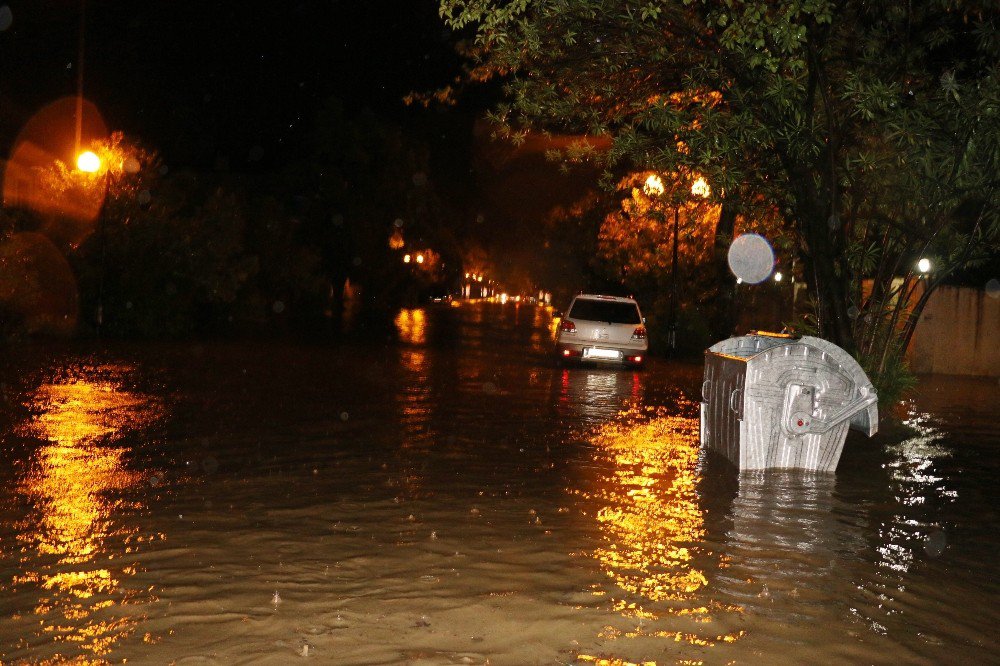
[(89, 162), (699, 188), (653, 186)]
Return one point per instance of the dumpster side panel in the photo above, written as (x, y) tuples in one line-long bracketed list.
[(760, 434), (722, 405)]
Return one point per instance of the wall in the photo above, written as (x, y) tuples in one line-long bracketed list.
[(958, 334)]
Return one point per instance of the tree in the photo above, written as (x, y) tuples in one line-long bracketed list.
[(872, 127), (166, 256), (635, 247)]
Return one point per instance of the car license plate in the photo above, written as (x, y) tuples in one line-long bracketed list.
[(597, 352)]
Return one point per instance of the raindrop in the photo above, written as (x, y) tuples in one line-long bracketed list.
[(853, 312), (278, 307), (210, 465), (128, 305), (344, 416), (256, 154), (164, 169), (131, 165), (357, 261), (935, 543), (398, 222), (489, 387), (751, 258), (420, 179), (993, 288), (833, 222), (276, 599), (337, 219), (6, 17), (144, 197)]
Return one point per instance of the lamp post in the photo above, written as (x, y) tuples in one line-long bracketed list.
[(700, 188), (89, 162)]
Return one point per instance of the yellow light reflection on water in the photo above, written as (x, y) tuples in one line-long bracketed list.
[(412, 326), (72, 541), (653, 529)]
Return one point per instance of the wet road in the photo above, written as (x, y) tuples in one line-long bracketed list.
[(448, 496)]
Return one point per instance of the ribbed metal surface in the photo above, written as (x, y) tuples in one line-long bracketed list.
[(722, 404), (775, 401)]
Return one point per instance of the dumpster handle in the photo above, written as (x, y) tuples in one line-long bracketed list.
[(850, 410), (733, 399)]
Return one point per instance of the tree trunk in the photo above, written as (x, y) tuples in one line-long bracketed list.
[(724, 318), (826, 273)]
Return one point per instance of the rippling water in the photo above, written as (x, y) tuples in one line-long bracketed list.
[(450, 497)]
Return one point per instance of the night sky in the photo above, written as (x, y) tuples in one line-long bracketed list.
[(237, 87), (200, 81)]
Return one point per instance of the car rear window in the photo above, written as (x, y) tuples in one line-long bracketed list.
[(614, 312)]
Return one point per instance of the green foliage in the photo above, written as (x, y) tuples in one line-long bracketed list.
[(892, 381)]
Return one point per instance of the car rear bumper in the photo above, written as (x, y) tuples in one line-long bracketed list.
[(610, 354)]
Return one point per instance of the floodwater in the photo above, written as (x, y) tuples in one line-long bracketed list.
[(449, 496)]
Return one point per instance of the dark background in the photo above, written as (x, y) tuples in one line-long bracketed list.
[(227, 84), (241, 90)]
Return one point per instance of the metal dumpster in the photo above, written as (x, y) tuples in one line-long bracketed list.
[(774, 400)]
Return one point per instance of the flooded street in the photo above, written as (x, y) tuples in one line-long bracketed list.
[(448, 496)]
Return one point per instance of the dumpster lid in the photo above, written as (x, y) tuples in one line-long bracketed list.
[(753, 343)]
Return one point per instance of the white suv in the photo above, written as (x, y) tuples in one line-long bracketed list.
[(602, 329)]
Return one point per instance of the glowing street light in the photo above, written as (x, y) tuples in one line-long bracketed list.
[(653, 186), (778, 276), (700, 188), (406, 258), (420, 258), (924, 265), (88, 162)]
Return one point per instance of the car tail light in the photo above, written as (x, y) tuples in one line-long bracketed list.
[(566, 326), (634, 359), (639, 333), (570, 352)]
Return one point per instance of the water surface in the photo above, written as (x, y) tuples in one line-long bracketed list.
[(449, 496)]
